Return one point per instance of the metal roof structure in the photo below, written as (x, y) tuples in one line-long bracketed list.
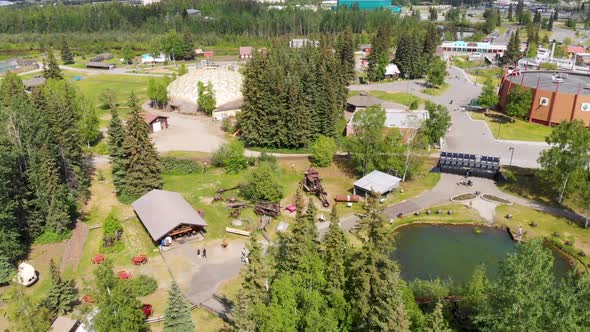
[(378, 182), (161, 211), (405, 119), (35, 81), (64, 324)]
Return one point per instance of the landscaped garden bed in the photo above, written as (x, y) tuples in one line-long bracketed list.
[(492, 198)]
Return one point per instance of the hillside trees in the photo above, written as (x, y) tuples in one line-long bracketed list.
[(291, 96)]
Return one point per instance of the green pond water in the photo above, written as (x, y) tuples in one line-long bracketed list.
[(453, 252)]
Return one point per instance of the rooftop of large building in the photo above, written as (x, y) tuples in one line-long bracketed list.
[(568, 82)]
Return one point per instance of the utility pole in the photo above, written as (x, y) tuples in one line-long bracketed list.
[(511, 154)]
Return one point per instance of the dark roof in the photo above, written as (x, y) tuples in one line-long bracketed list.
[(161, 211), (572, 84), (99, 64), (33, 82), (363, 100), (232, 105), (151, 117)]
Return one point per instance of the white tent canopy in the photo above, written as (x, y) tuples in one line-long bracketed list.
[(377, 182)]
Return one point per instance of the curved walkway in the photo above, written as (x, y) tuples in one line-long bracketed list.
[(446, 188)]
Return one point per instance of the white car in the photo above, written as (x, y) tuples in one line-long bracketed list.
[(26, 274)]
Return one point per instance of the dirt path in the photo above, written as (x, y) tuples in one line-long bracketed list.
[(74, 247)]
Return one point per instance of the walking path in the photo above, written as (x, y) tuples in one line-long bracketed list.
[(74, 247), (447, 188)]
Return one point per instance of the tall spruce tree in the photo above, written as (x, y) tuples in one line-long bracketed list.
[(379, 56), (142, 165), (550, 24), (335, 252), (52, 194), (435, 321), (116, 151), (512, 50), (23, 313), (510, 18), (376, 290), (51, 68), (255, 289), (61, 296), (12, 88), (66, 53), (345, 54), (178, 313), (408, 56)]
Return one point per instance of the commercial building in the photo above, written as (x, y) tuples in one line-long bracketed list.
[(369, 5), (556, 97), (467, 48)]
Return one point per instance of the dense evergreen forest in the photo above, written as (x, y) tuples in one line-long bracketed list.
[(114, 25)]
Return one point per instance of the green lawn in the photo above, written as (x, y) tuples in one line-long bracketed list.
[(92, 86), (464, 63), (547, 226), (461, 214), (481, 75), (436, 91), (397, 97), (519, 130)]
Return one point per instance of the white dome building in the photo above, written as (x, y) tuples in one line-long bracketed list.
[(226, 83)]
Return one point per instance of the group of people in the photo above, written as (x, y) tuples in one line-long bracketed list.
[(202, 252)]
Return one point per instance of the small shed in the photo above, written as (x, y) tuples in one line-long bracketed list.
[(167, 214), (155, 121), (64, 324), (361, 101), (392, 71), (377, 182), (246, 52), (34, 83), (100, 65)]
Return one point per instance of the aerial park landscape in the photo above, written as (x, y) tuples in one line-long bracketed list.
[(367, 165)]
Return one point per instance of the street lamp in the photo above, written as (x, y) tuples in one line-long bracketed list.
[(511, 154)]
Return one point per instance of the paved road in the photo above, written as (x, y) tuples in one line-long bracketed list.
[(466, 135)]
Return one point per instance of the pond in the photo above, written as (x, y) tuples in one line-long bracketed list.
[(453, 252)]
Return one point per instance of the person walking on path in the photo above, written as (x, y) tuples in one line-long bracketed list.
[(198, 252), (204, 253)]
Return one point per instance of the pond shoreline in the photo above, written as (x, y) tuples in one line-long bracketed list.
[(572, 260)]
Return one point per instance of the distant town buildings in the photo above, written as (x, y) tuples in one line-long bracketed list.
[(369, 5), (467, 48)]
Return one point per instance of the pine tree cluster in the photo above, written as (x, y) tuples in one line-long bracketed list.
[(292, 96), (323, 286), (415, 50), (44, 171)]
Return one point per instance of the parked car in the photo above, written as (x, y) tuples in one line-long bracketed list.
[(26, 274)]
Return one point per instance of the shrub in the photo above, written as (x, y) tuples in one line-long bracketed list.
[(434, 289), (230, 157), (322, 151), (52, 237), (228, 125), (175, 166), (414, 105), (6, 270), (112, 231), (142, 285), (263, 184), (267, 158)]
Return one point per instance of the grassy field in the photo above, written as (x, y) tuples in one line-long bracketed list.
[(548, 226), (436, 91), (482, 75), (397, 97), (519, 130), (93, 85), (461, 214)]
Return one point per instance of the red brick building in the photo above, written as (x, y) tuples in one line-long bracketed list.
[(556, 97)]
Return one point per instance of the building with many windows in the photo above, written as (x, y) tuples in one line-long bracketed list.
[(369, 5)]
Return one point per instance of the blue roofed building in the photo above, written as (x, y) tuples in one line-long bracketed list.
[(370, 5)]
